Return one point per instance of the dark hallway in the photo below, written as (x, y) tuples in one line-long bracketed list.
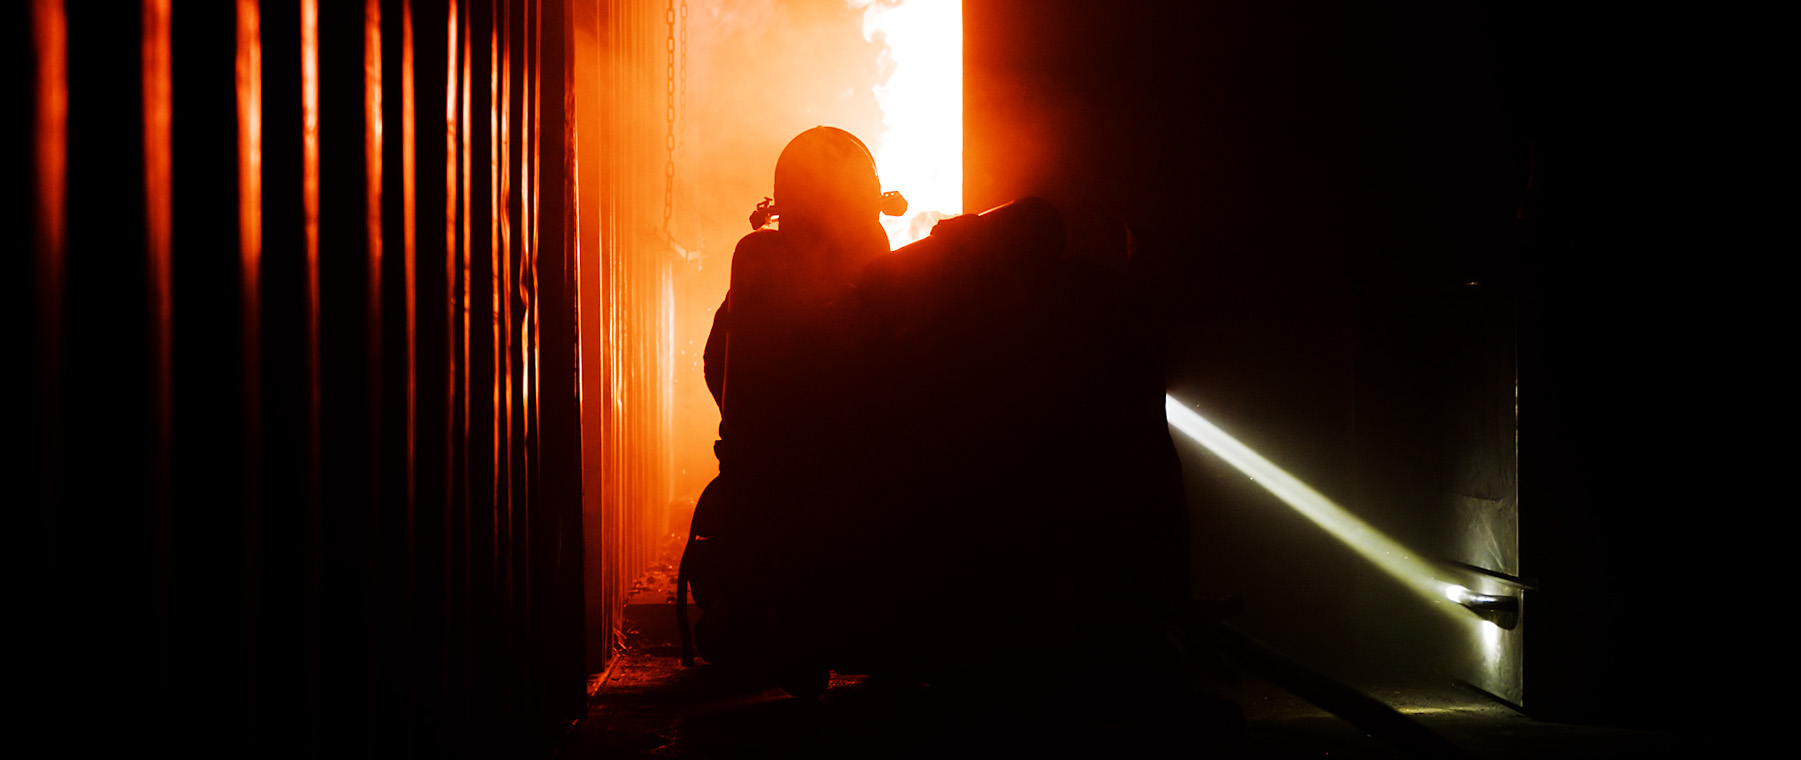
[(365, 398), (650, 707)]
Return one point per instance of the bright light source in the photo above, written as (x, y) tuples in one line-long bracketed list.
[(1495, 614), (920, 151), (1373, 545), (1492, 649)]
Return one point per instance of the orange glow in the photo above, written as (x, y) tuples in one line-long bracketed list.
[(754, 74), (410, 227), (372, 157), (921, 146), (309, 105), (249, 73), (50, 37), (50, 33), (250, 156), (500, 394), (159, 214), (528, 238)]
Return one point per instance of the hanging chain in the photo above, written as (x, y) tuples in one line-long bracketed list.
[(669, 120), (683, 73)]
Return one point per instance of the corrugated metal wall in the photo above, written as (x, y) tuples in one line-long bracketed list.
[(619, 57), (312, 320)]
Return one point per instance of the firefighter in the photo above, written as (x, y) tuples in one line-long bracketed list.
[(774, 544)]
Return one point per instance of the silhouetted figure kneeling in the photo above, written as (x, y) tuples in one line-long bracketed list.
[(772, 544), (904, 434)]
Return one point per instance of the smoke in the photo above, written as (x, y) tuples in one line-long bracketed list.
[(759, 73)]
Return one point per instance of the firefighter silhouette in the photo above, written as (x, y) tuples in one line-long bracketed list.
[(774, 547)]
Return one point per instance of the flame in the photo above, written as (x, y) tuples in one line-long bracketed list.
[(920, 151)]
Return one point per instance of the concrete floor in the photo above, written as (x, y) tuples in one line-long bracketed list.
[(649, 706)]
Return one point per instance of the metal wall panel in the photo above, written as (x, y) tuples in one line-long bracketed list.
[(305, 345), (618, 50)]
